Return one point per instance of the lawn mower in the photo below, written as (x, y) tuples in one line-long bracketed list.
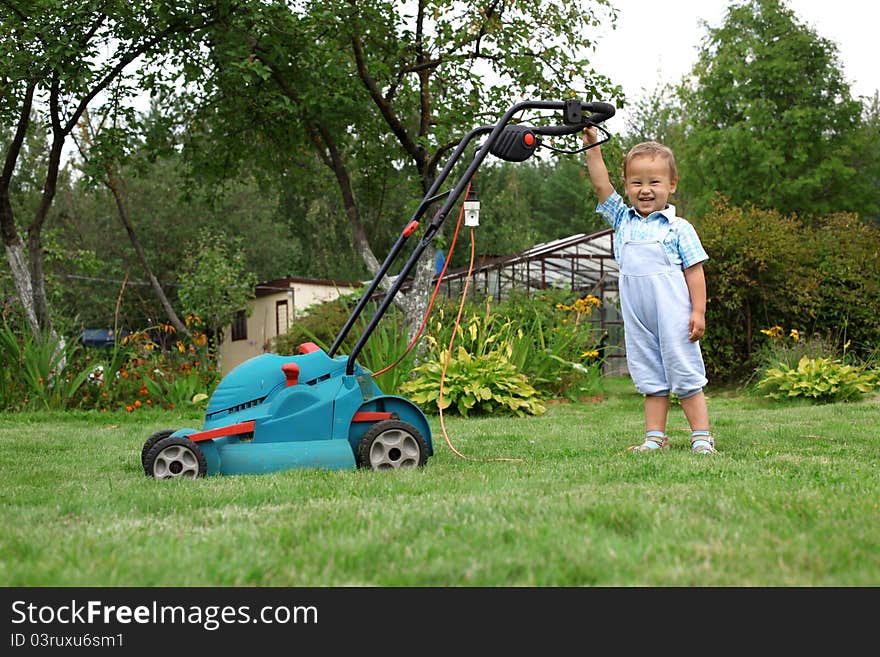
[(317, 409)]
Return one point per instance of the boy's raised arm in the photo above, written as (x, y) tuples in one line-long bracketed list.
[(596, 166)]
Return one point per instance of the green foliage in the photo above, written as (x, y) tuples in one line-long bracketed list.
[(138, 373), (818, 379), (483, 383), (215, 283), (532, 202), (388, 342), (320, 324), (39, 374), (65, 55), (756, 275), (540, 342), (788, 349), (552, 339), (824, 281), (769, 117), (177, 389), (558, 343), (866, 159), (847, 262)]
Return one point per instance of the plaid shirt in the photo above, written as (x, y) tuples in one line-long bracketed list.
[(680, 240)]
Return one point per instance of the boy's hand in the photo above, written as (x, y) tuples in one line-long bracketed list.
[(696, 326), (589, 136)]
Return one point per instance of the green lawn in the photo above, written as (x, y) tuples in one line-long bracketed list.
[(793, 499)]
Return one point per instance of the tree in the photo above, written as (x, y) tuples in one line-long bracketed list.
[(215, 284), (58, 58), (769, 117), (866, 160), (394, 85), (101, 149)]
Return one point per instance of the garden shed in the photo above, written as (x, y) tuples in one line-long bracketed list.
[(583, 263)]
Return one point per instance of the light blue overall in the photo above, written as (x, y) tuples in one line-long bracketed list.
[(656, 309)]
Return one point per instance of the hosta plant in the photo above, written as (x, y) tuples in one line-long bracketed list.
[(818, 379), (480, 384)]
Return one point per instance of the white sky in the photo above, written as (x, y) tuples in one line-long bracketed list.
[(658, 40)]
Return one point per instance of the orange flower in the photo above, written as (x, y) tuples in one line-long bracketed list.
[(129, 408)]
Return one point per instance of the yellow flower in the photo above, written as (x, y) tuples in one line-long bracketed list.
[(773, 332), (180, 347), (795, 335), (592, 353)]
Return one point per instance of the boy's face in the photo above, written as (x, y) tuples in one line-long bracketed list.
[(649, 183)]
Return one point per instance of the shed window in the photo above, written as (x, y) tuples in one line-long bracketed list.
[(239, 326)]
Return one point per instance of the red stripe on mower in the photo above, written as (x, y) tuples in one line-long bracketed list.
[(371, 416), (231, 430)]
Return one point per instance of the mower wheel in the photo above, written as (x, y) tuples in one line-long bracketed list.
[(392, 444), (148, 445), (176, 457)]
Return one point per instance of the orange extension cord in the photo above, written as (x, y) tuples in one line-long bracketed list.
[(454, 333), (467, 281)]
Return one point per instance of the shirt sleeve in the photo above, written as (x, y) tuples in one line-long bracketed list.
[(689, 246), (612, 210)]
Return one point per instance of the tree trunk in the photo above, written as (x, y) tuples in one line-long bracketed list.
[(15, 251), (116, 188), (21, 274)]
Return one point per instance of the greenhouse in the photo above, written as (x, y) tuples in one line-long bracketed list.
[(583, 263)]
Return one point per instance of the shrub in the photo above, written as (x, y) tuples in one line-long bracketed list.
[(551, 338), (387, 343), (320, 324), (765, 266), (481, 383), (818, 379)]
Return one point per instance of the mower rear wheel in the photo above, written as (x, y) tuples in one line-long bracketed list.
[(178, 457), (148, 445), (392, 444)]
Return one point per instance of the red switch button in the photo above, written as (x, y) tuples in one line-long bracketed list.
[(291, 373)]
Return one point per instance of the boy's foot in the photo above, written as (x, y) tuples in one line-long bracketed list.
[(651, 445), (703, 445)]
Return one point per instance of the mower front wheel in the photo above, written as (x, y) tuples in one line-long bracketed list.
[(392, 444), (148, 445), (172, 458)]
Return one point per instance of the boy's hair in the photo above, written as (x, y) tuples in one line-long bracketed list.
[(651, 149)]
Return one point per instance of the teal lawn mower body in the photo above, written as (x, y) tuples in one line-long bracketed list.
[(280, 412), (319, 410)]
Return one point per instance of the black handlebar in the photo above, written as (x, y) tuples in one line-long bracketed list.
[(601, 111), (511, 142)]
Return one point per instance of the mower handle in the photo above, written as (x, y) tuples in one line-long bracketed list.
[(573, 117), (600, 111)]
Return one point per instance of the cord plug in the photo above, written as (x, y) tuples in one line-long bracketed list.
[(471, 208)]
